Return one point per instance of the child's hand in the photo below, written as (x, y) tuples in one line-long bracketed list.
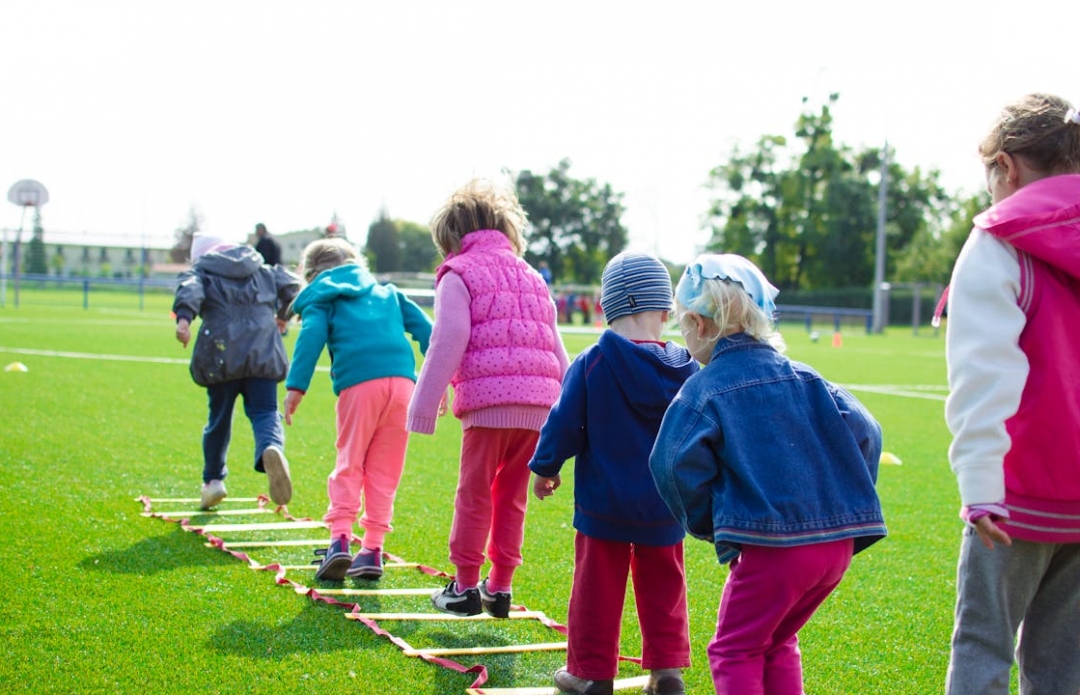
[(292, 401), (989, 532), (183, 331), (282, 326), (444, 403), (545, 487)]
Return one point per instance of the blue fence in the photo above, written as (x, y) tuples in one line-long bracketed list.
[(789, 312)]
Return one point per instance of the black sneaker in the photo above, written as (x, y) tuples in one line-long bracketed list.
[(495, 603), (567, 682), (335, 561), (366, 565), (463, 604), (667, 682)]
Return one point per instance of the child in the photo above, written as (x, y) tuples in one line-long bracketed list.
[(770, 462), (238, 352), (1014, 409), (373, 368), (495, 340), (607, 416)]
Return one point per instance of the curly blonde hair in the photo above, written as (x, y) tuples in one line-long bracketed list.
[(479, 204), (323, 254)]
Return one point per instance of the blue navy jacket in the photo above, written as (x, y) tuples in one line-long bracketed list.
[(612, 402), (761, 450)]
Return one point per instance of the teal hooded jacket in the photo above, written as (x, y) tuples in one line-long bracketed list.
[(363, 325)]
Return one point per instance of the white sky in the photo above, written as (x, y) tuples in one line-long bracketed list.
[(130, 113)]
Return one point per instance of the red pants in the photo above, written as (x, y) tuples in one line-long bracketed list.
[(596, 606), (769, 595), (489, 506)]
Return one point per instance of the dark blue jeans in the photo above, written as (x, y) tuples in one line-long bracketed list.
[(261, 408)]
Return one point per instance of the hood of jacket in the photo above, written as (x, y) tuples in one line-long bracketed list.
[(236, 262), (344, 281), (1041, 219), (648, 379)]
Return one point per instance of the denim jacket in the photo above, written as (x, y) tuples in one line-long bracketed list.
[(759, 449)]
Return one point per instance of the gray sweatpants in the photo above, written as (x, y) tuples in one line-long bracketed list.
[(1036, 584)]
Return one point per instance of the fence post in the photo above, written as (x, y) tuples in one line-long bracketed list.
[(86, 293)]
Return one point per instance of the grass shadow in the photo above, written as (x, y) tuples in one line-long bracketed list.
[(306, 633), (154, 555)]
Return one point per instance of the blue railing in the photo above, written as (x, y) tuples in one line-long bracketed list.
[(787, 312)]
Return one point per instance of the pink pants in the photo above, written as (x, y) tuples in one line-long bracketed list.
[(596, 606), (489, 506), (769, 595), (371, 444)]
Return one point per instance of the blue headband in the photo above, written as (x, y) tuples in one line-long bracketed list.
[(725, 266)]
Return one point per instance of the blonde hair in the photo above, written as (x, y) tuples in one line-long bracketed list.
[(479, 204), (733, 310), (323, 254), (1035, 127)]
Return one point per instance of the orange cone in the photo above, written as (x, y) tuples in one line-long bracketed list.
[(837, 340)]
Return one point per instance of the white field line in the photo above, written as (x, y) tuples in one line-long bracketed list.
[(927, 392), (105, 357)]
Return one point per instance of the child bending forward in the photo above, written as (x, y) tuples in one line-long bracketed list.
[(774, 465)]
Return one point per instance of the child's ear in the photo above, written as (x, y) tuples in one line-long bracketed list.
[(701, 325)]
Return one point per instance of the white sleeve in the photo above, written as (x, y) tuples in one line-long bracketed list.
[(987, 369)]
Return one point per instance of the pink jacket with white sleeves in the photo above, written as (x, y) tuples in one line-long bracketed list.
[(1014, 363)]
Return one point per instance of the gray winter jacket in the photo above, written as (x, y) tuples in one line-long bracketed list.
[(237, 297)]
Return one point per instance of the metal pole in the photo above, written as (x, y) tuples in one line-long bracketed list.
[(3, 269), (879, 251), (15, 255)]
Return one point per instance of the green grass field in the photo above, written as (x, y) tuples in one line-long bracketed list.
[(101, 599)]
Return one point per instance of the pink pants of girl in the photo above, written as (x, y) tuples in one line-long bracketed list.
[(769, 595), (489, 505), (371, 444)]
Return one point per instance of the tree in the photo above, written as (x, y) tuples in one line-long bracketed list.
[(181, 250), (418, 252), (806, 211), (933, 250), (35, 252), (383, 246), (576, 225)]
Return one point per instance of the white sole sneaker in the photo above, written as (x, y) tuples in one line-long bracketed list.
[(277, 470), (212, 494)]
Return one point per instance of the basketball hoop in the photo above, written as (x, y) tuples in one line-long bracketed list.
[(28, 193)]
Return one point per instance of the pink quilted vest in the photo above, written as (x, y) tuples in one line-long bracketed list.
[(511, 356)]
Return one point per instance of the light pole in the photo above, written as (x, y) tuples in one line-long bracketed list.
[(880, 286)]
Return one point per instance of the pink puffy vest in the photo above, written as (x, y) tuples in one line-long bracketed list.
[(511, 357)]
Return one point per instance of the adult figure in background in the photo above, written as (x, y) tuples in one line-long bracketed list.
[(267, 246)]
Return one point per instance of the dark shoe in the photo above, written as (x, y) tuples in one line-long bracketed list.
[(366, 565), (463, 604), (277, 470), (335, 561), (663, 683), (495, 603), (567, 682)]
